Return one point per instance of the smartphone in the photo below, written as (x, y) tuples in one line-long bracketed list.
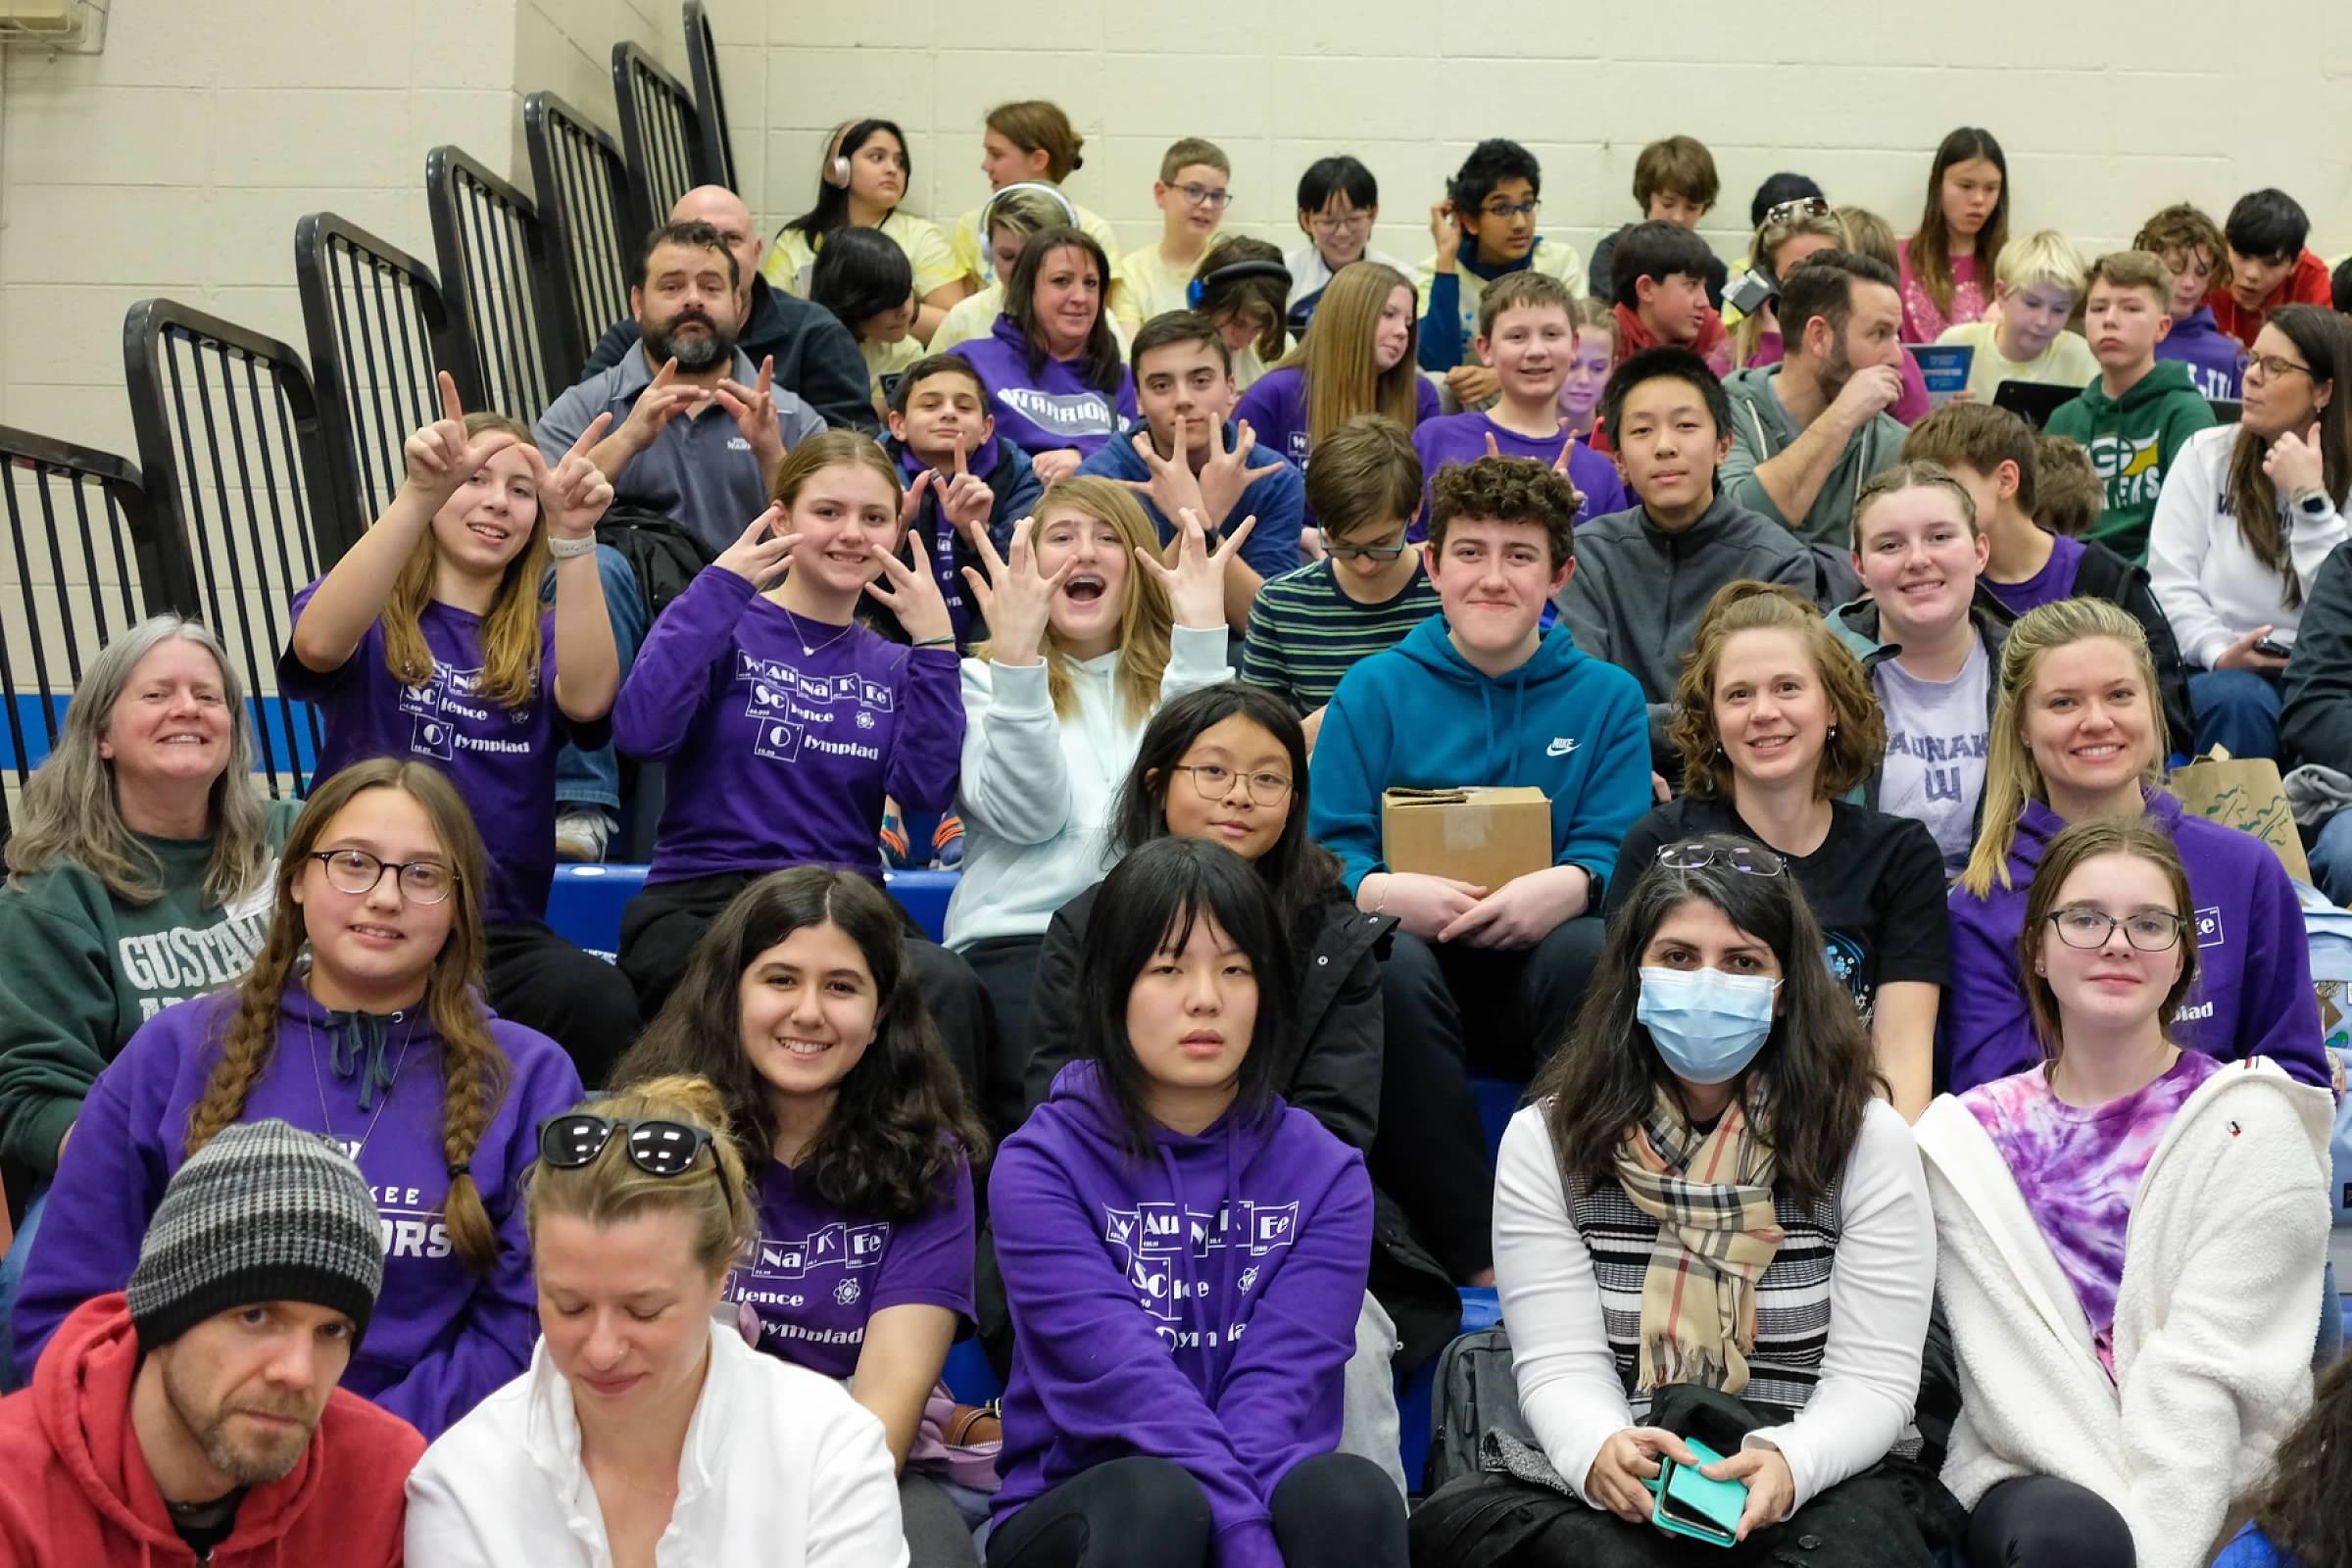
[(1689, 1504), (2272, 648), (1748, 292)]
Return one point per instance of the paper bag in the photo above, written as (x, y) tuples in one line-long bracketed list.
[(2245, 794)]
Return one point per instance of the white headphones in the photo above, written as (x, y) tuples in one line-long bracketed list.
[(1051, 193), (835, 170)]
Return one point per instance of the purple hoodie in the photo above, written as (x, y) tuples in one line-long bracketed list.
[(780, 756), (1131, 1283), (1462, 438), (2215, 361), (1049, 410), (1275, 407), (443, 1337), (503, 760), (2253, 995)]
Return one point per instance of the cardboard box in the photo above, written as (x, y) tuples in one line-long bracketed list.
[(2243, 793), (1482, 836)]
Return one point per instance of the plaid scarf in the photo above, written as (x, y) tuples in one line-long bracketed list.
[(1717, 1234)]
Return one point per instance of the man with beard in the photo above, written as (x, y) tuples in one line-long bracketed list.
[(816, 356), (175, 1421), (1809, 433), (698, 430)]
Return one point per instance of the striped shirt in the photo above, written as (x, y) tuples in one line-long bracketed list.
[(1305, 632)]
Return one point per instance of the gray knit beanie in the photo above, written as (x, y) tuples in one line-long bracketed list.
[(264, 1213)]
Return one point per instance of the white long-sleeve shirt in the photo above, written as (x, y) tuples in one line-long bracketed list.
[(781, 1468), (1036, 790), (1881, 1288), (2210, 585)]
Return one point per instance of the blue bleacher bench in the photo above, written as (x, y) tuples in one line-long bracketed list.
[(584, 906)]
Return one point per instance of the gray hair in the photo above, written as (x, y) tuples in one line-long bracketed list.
[(71, 813)]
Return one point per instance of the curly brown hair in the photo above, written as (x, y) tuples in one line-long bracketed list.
[(1858, 732), (2303, 1502), (1507, 490)]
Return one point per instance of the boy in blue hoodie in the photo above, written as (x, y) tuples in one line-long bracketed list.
[(1485, 697)]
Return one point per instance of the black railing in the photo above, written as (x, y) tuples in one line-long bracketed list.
[(89, 563), (709, 103), (497, 279), (234, 464), (657, 133), (582, 185)]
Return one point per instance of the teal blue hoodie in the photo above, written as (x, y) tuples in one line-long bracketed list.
[(1420, 717)]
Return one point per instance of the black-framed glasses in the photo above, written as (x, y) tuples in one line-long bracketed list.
[(2272, 366), (1511, 210), (1214, 781), (357, 872), (1345, 552), (1749, 860), (658, 1147), (2148, 930), (1202, 196), (1796, 207)]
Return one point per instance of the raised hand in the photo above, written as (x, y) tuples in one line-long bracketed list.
[(1445, 232), (1051, 467), (664, 399), (1195, 584), (2294, 464), (575, 493), (966, 503), (1014, 598), (1173, 486), (1227, 473), (762, 552), (441, 456), (914, 594), (753, 408)]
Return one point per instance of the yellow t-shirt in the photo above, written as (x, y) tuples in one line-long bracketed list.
[(791, 256), (976, 266), (2067, 361), (885, 363), (967, 318), (1146, 284)]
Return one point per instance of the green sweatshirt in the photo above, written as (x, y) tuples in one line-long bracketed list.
[(83, 969), (2132, 441)]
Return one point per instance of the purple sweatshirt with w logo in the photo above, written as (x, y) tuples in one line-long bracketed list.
[(1051, 408)]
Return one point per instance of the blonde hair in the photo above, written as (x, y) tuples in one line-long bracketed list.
[(2043, 257), (473, 1069), (511, 626), (1916, 474), (2011, 778), (1868, 234), (609, 1190), (1019, 213), (1146, 621), (1858, 732), (1771, 236), (71, 811), (1335, 358)]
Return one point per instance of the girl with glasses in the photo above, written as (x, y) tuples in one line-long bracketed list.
[(646, 1429), (2248, 513), (1090, 632), (1359, 361), (1776, 724), (362, 1020), (2077, 734), (800, 1007), (2122, 1228), (1709, 1228)]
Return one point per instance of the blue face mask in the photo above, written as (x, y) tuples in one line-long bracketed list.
[(1708, 1025)]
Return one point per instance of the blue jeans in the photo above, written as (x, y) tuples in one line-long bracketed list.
[(593, 778), (12, 1279), (2236, 710), (2331, 859)]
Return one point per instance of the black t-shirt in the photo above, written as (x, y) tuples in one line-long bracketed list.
[(1876, 885), (205, 1524)]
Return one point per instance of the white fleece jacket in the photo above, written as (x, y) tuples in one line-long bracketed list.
[(2210, 585), (2214, 1324), (1037, 788)]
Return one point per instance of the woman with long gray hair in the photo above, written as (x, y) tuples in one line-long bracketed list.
[(138, 875)]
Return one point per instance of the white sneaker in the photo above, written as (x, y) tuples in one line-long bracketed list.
[(584, 831)]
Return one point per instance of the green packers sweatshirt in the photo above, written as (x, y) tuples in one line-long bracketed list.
[(2132, 441)]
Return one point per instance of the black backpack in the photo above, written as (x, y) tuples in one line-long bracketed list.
[(664, 554), (1475, 1395)]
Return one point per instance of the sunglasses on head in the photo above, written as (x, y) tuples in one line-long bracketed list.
[(657, 1147)]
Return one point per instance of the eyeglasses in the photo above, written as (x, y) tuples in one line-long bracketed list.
[(2272, 364), (1344, 552), (1339, 224), (1202, 196), (2150, 930), (1509, 210), (1749, 860), (1215, 782), (656, 1147), (1796, 207), (357, 872)]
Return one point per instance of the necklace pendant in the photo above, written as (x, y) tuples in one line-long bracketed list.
[(805, 650)]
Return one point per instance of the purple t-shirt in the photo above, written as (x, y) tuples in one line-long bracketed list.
[(2079, 1167), (783, 738), (2053, 582), (815, 1275), (1275, 406), (503, 760), (1462, 438)]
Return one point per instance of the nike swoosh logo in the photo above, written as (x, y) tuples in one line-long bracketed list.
[(1559, 747)]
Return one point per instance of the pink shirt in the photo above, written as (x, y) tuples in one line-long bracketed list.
[(1923, 323)]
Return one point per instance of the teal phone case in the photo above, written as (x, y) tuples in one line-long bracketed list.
[(1691, 1504)]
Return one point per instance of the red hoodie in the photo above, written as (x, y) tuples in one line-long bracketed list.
[(2306, 284), (79, 1494)]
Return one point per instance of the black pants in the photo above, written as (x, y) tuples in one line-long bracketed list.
[(1449, 1009), (1006, 969), (2042, 1522), (574, 998), (661, 926), (1335, 1510)]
